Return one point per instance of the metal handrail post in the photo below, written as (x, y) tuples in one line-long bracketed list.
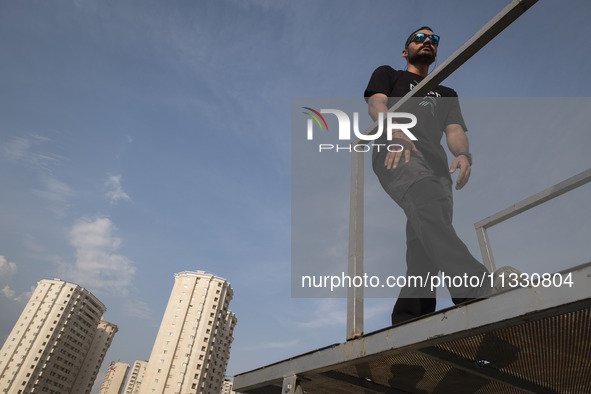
[(485, 250), (355, 267)]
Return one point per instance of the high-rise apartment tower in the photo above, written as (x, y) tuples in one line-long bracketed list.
[(136, 377), (58, 343), (115, 378), (192, 347), (227, 387), (93, 360)]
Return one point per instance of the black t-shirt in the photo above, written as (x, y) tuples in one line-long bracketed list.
[(434, 112)]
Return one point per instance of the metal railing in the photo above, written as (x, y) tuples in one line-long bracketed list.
[(355, 261), (522, 206)]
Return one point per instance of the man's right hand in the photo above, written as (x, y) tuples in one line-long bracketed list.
[(393, 158), (379, 103)]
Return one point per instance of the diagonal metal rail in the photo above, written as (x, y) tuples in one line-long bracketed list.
[(355, 261), (522, 206)]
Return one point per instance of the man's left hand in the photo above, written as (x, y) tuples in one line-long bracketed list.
[(463, 164)]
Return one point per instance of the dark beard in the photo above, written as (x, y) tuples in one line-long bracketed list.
[(419, 57)]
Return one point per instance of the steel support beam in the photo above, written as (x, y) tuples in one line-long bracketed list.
[(291, 385), (366, 385), (484, 371)]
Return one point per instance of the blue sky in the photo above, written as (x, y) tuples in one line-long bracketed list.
[(143, 138)]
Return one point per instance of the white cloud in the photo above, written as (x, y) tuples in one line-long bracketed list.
[(271, 345), (115, 192), (24, 297), (26, 151), (329, 312), (20, 149), (7, 271), (54, 191), (15, 149), (98, 266), (332, 312), (138, 309), (7, 291)]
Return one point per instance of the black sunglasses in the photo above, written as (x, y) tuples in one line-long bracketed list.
[(421, 37)]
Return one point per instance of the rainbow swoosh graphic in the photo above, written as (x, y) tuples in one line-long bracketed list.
[(315, 116)]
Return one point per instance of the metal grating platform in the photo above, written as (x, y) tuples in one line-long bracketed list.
[(527, 340), (551, 355)]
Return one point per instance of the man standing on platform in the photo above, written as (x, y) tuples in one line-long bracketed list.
[(418, 177)]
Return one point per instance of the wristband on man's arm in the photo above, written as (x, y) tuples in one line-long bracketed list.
[(468, 155)]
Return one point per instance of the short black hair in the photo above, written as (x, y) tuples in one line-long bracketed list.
[(408, 40)]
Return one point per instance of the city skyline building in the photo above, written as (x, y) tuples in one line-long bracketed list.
[(115, 378), (58, 343), (227, 387), (134, 383), (192, 347), (92, 363)]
